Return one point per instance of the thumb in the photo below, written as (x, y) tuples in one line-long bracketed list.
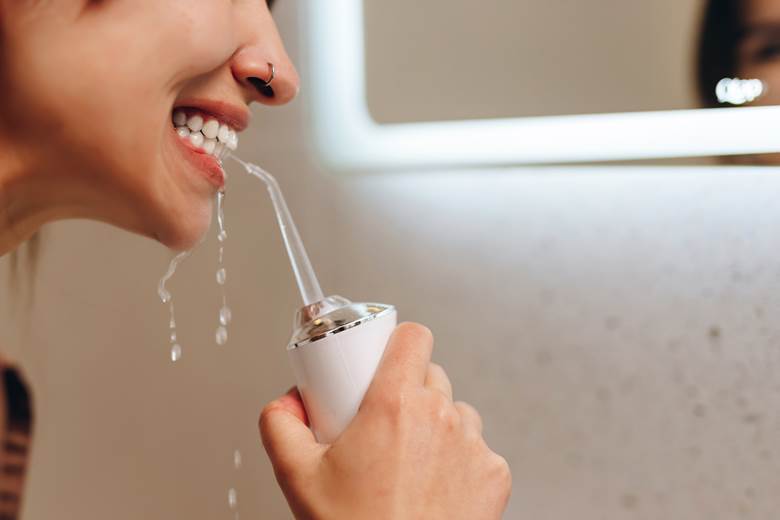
[(287, 439)]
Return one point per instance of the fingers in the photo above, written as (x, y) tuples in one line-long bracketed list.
[(289, 442), (406, 358), (470, 416), (436, 379), (292, 402)]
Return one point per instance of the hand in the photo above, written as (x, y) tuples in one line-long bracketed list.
[(410, 453)]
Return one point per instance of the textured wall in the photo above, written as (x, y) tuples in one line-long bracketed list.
[(616, 327)]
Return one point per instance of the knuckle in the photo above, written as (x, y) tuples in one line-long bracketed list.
[(265, 413), (443, 411), (466, 408), (471, 416), (391, 404), (263, 423), (502, 473), (436, 368), (415, 331)]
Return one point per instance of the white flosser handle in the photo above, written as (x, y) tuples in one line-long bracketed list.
[(333, 373)]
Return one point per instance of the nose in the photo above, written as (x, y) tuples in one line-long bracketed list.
[(265, 73)]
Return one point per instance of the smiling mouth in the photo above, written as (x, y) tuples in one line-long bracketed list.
[(205, 132)]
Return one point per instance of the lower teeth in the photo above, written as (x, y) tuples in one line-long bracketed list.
[(210, 146)]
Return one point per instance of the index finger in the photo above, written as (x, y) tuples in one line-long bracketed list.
[(406, 358)]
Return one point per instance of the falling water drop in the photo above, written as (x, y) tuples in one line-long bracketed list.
[(221, 335), (166, 297), (222, 235), (237, 459), (225, 315), (232, 498)]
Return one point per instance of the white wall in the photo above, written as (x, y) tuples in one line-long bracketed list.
[(452, 59), (616, 327)]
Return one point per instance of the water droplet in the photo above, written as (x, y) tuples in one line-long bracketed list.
[(162, 292), (222, 235), (175, 352), (173, 336), (225, 315), (237, 459), (221, 276), (221, 335), (232, 498)]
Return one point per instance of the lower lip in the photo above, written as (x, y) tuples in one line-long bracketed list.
[(206, 164)]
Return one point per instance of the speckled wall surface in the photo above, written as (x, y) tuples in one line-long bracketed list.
[(616, 327)]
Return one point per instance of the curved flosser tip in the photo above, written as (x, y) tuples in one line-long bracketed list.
[(308, 285)]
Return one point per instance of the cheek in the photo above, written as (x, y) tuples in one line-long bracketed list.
[(198, 41)]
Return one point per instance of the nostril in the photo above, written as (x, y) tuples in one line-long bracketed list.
[(262, 87)]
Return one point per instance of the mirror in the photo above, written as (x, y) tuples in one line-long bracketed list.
[(462, 59), (408, 84)]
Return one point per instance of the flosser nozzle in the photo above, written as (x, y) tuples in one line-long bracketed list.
[(308, 285), (336, 344)]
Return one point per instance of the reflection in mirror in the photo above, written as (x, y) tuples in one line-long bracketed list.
[(739, 52), (459, 59)]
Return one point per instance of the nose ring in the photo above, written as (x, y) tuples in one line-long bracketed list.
[(273, 74)]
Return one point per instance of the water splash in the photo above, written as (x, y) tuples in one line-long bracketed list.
[(166, 297), (225, 314)]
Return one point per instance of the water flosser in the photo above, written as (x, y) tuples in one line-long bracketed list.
[(336, 344)]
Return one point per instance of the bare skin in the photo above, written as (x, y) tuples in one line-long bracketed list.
[(411, 453), (88, 90)]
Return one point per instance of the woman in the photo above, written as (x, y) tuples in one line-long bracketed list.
[(96, 96), (740, 39)]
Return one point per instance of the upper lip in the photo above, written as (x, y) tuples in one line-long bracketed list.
[(235, 116)]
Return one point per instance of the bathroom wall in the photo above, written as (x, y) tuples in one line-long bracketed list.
[(459, 59), (615, 326)]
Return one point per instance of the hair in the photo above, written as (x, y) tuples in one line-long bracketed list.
[(721, 28)]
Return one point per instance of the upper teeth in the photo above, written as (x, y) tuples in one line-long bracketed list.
[(210, 135)]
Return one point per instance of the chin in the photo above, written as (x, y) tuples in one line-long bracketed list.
[(186, 230)]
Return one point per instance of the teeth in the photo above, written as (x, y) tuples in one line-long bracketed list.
[(195, 123), (223, 134), (179, 118), (210, 135), (196, 138), (211, 129)]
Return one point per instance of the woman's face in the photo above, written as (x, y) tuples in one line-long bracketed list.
[(89, 89), (759, 48)]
